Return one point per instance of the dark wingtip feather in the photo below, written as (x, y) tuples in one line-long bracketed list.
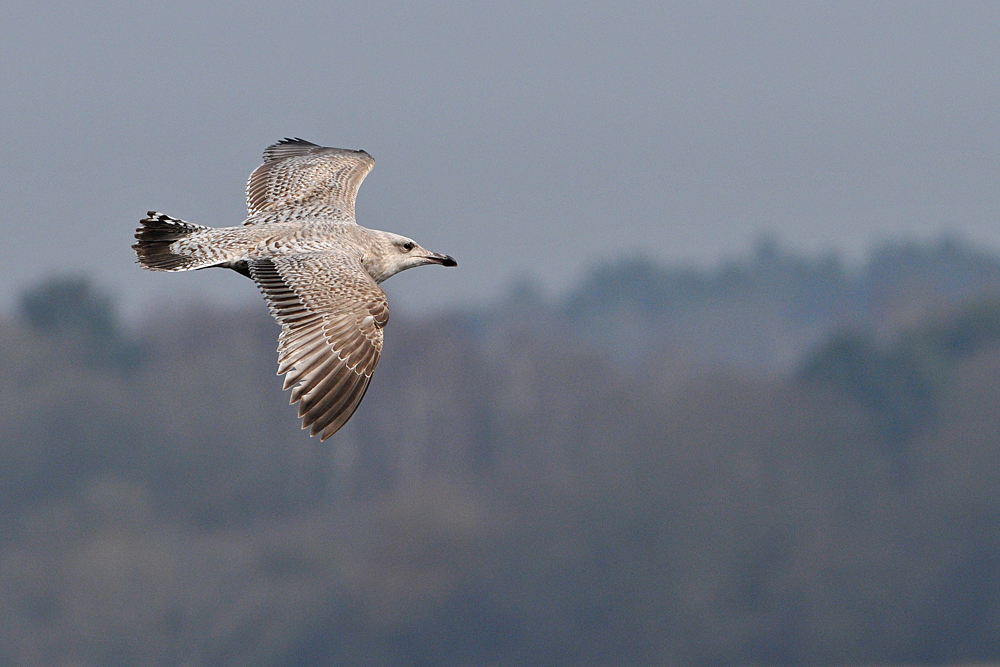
[(288, 147)]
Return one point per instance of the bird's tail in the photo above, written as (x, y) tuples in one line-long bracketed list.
[(157, 236)]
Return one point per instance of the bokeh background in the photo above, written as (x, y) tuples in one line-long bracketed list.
[(717, 379)]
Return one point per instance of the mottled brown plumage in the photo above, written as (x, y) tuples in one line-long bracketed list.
[(317, 269), (298, 173)]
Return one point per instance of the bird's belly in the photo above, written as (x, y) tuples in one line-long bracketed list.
[(295, 242)]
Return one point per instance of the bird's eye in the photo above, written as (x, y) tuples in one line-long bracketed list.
[(408, 246)]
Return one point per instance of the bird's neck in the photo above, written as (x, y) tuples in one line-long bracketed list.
[(378, 258)]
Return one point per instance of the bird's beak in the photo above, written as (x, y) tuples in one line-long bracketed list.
[(443, 260)]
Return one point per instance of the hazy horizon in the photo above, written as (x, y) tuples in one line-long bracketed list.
[(525, 140)]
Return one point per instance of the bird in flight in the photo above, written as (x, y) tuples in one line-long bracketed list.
[(319, 271)]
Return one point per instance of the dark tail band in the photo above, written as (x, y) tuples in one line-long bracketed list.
[(155, 236)]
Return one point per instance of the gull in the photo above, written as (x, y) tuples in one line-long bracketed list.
[(319, 271)]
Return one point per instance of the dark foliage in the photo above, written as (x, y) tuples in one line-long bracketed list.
[(71, 312), (511, 494)]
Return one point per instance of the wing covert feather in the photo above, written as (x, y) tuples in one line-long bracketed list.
[(297, 173), (331, 314)]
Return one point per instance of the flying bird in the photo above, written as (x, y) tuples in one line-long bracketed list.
[(319, 271)]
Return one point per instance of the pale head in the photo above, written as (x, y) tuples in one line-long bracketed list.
[(389, 253)]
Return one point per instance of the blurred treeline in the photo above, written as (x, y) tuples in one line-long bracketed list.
[(783, 461)]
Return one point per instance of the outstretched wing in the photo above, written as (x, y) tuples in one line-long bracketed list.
[(331, 314), (299, 173)]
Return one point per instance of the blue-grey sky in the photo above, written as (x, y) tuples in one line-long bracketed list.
[(521, 137)]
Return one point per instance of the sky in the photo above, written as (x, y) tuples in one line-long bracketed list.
[(527, 139)]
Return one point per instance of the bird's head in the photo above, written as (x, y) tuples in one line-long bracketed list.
[(393, 253)]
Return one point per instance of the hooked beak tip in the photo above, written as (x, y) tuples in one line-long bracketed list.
[(443, 260)]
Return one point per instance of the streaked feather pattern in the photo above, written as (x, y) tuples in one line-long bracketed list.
[(316, 267), (331, 314), (297, 173)]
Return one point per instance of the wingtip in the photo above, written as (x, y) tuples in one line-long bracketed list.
[(288, 147), (295, 140)]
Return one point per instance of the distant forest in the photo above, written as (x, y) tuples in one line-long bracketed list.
[(782, 461)]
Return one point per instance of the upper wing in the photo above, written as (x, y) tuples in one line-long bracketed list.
[(331, 314), (296, 172)]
